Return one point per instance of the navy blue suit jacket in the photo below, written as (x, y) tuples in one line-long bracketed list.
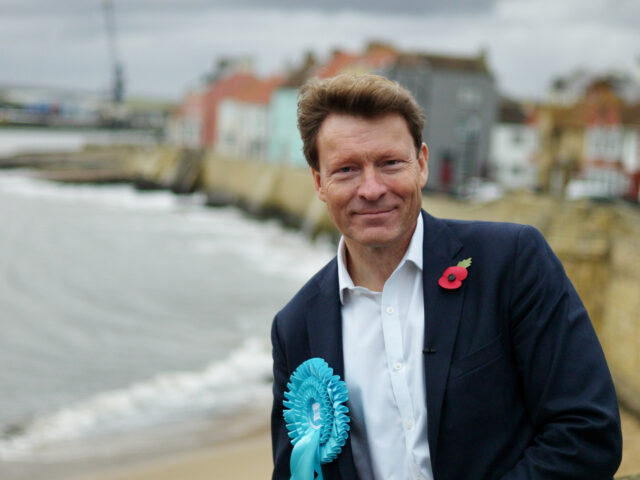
[(517, 386)]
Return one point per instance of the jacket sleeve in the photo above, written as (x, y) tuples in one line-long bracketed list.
[(565, 380), (279, 438)]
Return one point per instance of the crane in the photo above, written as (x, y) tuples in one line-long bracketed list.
[(117, 85)]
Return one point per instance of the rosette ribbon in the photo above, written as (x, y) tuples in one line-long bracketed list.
[(316, 417)]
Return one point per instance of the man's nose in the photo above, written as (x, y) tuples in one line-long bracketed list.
[(371, 185)]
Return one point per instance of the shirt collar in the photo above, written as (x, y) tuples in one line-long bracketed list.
[(413, 254)]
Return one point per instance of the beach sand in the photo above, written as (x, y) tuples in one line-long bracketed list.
[(239, 459), (250, 457)]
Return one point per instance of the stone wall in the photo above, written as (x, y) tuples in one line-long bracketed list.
[(620, 325), (266, 189)]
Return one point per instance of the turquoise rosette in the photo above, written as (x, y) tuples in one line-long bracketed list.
[(316, 417)]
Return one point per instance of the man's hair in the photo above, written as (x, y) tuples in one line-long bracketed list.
[(368, 96)]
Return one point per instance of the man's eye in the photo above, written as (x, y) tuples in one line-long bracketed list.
[(345, 170)]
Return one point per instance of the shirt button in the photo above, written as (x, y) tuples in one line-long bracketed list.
[(397, 366), (390, 310), (408, 424)]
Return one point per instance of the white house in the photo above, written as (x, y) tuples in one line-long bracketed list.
[(612, 158), (243, 121), (515, 144)]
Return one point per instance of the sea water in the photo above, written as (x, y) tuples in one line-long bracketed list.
[(15, 140), (122, 312)]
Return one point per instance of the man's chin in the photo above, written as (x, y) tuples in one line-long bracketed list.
[(379, 237)]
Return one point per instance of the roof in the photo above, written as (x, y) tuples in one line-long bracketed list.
[(228, 85), (444, 62), (574, 116), (375, 56), (602, 107), (338, 62), (378, 55), (510, 111), (258, 91), (631, 115), (579, 83)]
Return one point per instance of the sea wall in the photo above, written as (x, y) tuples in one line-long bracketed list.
[(266, 189), (598, 244), (620, 324)]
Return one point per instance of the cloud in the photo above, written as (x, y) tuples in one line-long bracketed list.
[(166, 46), (83, 7)]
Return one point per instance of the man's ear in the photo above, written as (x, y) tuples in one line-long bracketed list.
[(317, 183), (423, 164)]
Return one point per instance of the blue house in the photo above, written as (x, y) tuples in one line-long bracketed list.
[(284, 142)]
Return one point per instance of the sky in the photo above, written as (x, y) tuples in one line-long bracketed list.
[(167, 46)]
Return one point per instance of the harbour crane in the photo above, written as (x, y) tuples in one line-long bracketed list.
[(117, 81)]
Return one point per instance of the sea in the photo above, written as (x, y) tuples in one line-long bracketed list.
[(133, 323)]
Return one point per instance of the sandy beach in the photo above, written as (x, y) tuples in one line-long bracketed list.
[(250, 457), (239, 459)]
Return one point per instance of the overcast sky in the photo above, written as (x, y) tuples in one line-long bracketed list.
[(166, 46)]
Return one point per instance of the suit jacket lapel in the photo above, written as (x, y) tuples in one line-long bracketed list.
[(324, 322), (324, 327), (442, 314)]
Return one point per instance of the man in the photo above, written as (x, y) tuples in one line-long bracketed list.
[(490, 370)]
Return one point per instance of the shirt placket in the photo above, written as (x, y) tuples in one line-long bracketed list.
[(392, 334)]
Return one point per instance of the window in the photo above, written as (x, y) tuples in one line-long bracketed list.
[(517, 137), (469, 96)]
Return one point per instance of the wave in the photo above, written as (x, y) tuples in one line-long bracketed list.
[(241, 380), (267, 244), (118, 196)]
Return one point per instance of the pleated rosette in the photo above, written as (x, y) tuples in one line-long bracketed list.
[(316, 417)]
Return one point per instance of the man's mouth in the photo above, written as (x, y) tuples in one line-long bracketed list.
[(374, 212)]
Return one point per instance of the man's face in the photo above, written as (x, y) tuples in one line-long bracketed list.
[(371, 178)]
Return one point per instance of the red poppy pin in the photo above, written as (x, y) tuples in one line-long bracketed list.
[(453, 276)]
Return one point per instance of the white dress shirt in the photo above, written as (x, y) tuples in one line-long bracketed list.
[(383, 337)]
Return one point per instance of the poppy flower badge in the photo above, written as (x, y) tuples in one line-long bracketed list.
[(453, 276)]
